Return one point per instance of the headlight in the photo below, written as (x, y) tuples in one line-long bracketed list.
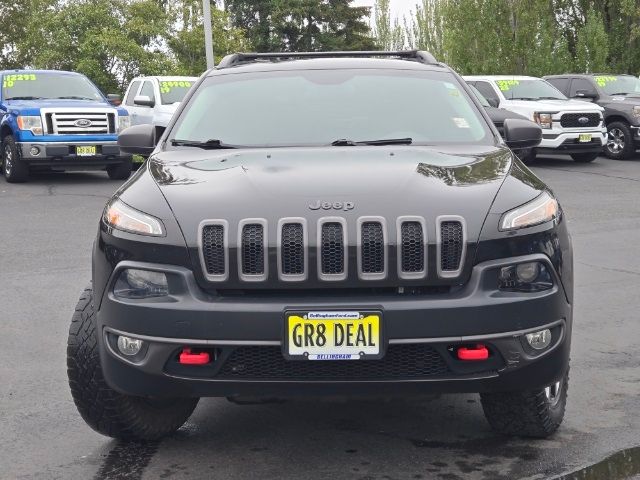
[(543, 208), (542, 119), (31, 123), (136, 283), (121, 216), (636, 111), (124, 121), (525, 277)]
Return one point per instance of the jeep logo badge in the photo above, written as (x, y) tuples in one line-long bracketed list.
[(583, 120), (83, 123), (346, 206)]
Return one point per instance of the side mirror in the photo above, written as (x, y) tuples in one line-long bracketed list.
[(138, 140), (493, 102), (144, 101), (114, 99), (520, 134), (586, 94)]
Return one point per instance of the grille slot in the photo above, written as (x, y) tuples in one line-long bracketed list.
[(292, 248), (400, 361), (332, 250), (412, 248), (451, 246), (570, 120), (252, 249), (63, 122), (214, 250)]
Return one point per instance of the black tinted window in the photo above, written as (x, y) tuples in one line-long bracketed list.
[(581, 84), (132, 93), (487, 91), (561, 84)]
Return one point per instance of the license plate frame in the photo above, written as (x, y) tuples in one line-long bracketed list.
[(86, 150), (585, 137), (333, 317)]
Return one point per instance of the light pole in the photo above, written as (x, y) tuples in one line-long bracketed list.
[(208, 36)]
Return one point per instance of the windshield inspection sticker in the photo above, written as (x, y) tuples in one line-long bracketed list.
[(602, 80), (506, 85), (165, 87), (9, 81), (461, 122)]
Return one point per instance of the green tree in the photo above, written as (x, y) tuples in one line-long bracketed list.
[(388, 32), (592, 44)]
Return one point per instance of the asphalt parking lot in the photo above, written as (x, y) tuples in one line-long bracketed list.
[(46, 230)]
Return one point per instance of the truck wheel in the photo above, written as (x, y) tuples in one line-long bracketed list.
[(122, 171), (105, 410), (585, 157), (15, 171), (619, 141), (527, 156), (534, 413)]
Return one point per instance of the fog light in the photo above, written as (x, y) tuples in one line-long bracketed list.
[(129, 346), (527, 272), (539, 340), (34, 151)]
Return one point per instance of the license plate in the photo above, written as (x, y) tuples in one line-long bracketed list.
[(584, 137), (327, 335), (85, 151)]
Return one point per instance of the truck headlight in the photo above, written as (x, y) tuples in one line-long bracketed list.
[(636, 111), (30, 123), (541, 209), (124, 121), (525, 277), (542, 119), (121, 216)]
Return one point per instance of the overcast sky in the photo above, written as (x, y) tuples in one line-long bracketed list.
[(398, 7)]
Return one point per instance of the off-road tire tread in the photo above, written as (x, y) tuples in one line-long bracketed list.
[(20, 171), (105, 410), (525, 413), (122, 171)]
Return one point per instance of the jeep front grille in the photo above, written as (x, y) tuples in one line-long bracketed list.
[(292, 249), (572, 120), (67, 121)]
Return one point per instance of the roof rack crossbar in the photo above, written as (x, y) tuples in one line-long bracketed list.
[(240, 58)]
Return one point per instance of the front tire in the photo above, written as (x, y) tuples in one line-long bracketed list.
[(102, 408), (122, 171), (15, 171), (533, 413), (585, 157), (620, 144)]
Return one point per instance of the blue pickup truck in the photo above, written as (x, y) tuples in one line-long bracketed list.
[(54, 120)]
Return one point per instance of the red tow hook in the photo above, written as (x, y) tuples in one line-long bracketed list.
[(188, 358), (474, 354)]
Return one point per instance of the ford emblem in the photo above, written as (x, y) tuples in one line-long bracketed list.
[(583, 120), (83, 123)]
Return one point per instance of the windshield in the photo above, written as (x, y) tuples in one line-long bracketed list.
[(36, 86), (319, 107), (529, 89), (174, 90), (618, 85)]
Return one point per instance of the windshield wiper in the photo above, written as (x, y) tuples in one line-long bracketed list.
[(24, 98), (551, 98), (74, 97), (619, 93), (523, 98), (209, 144), (343, 142)]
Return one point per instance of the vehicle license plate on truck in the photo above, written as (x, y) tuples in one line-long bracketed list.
[(333, 335), (86, 150), (584, 137)]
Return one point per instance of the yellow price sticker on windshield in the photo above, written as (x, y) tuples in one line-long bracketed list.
[(505, 85), (602, 80), (167, 86), (9, 81)]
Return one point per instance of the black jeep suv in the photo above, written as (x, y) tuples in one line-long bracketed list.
[(619, 95), (317, 224)]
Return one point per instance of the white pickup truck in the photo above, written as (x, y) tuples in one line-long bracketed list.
[(569, 126), (153, 100)]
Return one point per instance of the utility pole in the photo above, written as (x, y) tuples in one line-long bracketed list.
[(208, 36)]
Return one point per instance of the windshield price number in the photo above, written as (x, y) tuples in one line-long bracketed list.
[(9, 81)]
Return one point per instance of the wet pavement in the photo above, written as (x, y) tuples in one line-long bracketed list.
[(46, 230)]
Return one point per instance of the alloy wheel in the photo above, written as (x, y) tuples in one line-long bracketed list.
[(8, 160), (616, 140), (553, 393)]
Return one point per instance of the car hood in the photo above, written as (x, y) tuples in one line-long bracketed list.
[(32, 104), (557, 105), (499, 115), (378, 181)]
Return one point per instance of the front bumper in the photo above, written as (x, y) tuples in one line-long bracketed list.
[(63, 154), (432, 323), (568, 141)]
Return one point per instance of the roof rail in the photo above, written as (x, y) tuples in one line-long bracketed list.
[(236, 59)]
